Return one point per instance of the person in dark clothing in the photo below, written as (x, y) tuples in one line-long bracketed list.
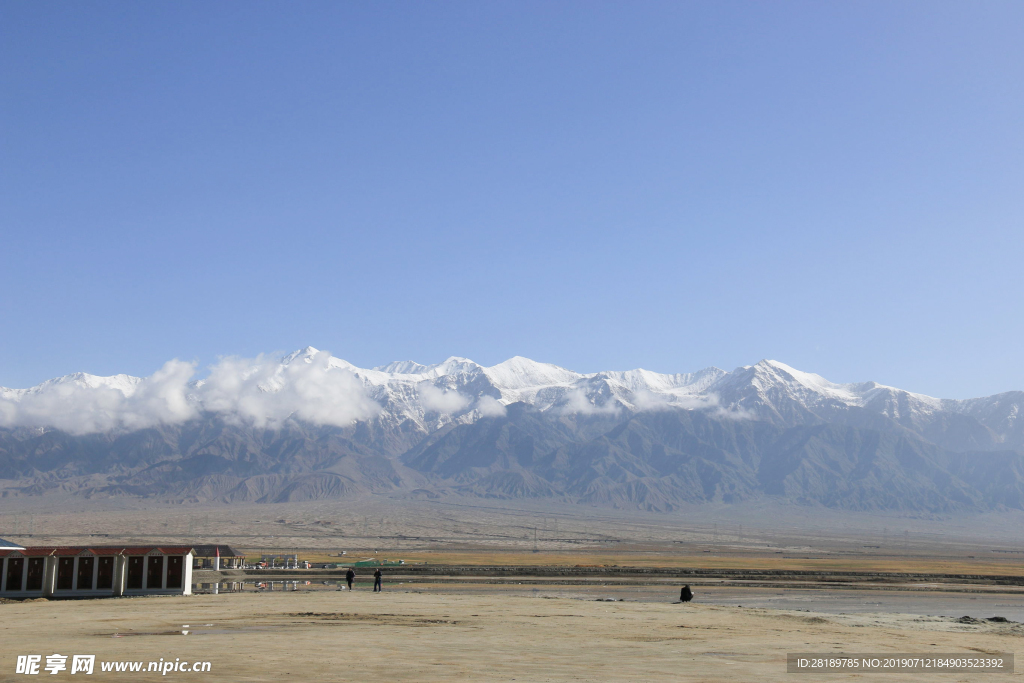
[(377, 587), (350, 576), (686, 594)]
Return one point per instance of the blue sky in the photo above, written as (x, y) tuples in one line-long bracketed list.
[(839, 186)]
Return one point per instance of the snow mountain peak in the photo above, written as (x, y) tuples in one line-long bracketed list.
[(458, 390), (309, 425)]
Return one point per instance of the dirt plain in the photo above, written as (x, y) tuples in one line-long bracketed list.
[(581, 602), (412, 635)]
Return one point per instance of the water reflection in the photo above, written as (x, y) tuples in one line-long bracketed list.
[(952, 604), (238, 586)]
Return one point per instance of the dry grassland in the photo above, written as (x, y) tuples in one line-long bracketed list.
[(744, 560), (474, 532)]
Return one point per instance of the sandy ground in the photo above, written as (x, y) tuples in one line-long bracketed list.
[(419, 635), (529, 630)]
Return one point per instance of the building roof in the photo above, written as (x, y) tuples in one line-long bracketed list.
[(214, 550), (9, 545), (73, 550), (26, 552)]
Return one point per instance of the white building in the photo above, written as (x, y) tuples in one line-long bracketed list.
[(95, 571), (217, 557)]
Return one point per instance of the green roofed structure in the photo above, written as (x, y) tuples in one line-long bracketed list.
[(376, 563)]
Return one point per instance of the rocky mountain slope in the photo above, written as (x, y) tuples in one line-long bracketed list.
[(311, 426)]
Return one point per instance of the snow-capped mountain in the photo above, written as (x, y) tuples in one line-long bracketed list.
[(126, 384), (310, 425), (769, 390), (774, 391), (460, 390)]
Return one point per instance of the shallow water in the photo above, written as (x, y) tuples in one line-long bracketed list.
[(934, 603), (978, 606)]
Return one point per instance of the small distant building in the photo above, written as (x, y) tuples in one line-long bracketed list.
[(217, 557), (95, 571), (286, 561)]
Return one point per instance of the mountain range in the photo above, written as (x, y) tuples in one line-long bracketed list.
[(310, 426)]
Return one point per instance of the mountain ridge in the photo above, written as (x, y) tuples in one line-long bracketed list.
[(310, 426)]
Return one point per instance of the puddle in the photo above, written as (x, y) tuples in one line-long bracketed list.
[(189, 632), (282, 586)]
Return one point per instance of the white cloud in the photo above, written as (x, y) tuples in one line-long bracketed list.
[(434, 398), (576, 402), (488, 406), (87, 404), (264, 393), (257, 391), (735, 413), (648, 401)]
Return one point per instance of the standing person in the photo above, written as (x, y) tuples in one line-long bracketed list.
[(377, 587), (350, 576)]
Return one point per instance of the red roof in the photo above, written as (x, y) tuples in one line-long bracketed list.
[(103, 551), (38, 551), (73, 550)]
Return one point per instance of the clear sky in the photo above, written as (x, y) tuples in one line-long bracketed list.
[(667, 185)]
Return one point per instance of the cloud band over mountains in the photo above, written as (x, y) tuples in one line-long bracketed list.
[(311, 386), (258, 391)]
